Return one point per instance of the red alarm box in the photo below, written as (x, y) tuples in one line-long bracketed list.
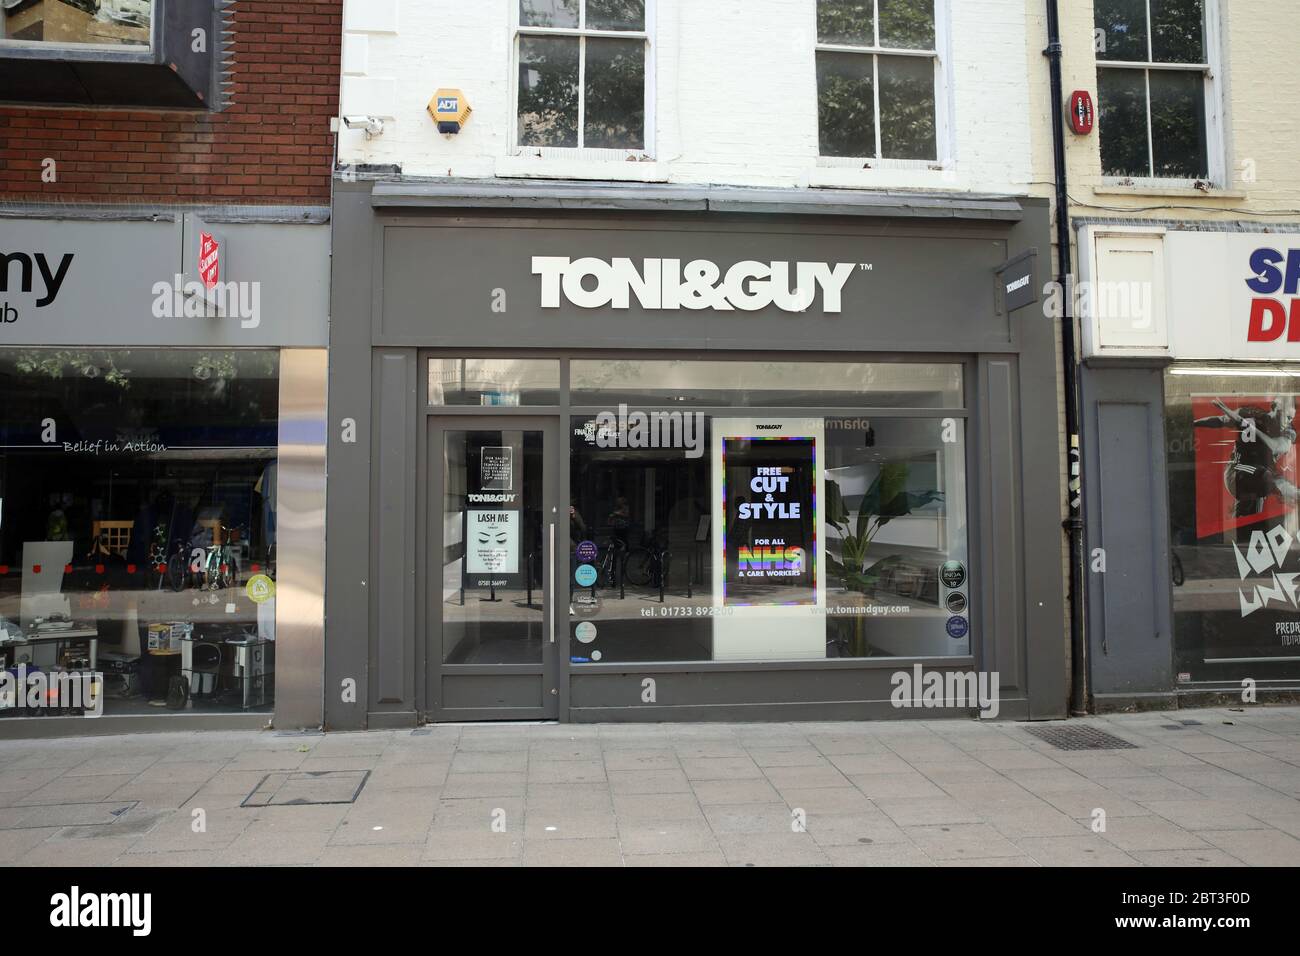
[(1081, 112)]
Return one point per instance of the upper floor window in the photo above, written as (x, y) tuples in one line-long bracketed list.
[(112, 23), (1154, 88), (582, 74), (878, 79)]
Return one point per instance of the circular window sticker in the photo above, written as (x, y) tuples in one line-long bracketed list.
[(956, 602), (586, 551), (585, 575), (585, 632), (584, 604), (958, 627), (952, 574), (595, 655), (260, 589)]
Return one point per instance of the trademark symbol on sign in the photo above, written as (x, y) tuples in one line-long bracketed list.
[(865, 266)]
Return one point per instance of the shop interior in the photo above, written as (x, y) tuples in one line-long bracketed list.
[(138, 526)]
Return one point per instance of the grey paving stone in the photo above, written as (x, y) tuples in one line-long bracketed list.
[(797, 757), (684, 860), (641, 760), (969, 841), (586, 852), (803, 778), (893, 786), (772, 849), (651, 837), (1257, 847), (476, 844), (499, 761), (829, 801), (566, 771), (1208, 857), (484, 785), (773, 818), (877, 854), (715, 792), (855, 830), (560, 824), (1089, 850), (667, 806), (1204, 814), (927, 810), (1133, 834), (720, 768)]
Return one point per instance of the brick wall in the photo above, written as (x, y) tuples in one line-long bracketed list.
[(271, 146)]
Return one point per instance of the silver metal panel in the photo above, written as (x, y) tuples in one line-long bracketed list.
[(300, 544)]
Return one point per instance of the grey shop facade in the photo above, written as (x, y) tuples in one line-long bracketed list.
[(162, 467), (650, 454)]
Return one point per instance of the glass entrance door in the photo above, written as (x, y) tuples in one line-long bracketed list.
[(492, 516)]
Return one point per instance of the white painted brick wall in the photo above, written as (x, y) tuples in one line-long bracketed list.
[(736, 97)]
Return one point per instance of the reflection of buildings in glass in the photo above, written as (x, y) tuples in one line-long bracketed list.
[(148, 480)]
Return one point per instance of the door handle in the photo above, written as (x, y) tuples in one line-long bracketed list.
[(550, 585)]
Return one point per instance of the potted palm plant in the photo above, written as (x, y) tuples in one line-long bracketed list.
[(886, 499)]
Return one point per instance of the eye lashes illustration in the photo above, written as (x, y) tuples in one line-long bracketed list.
[(502, 537), (483, 537)]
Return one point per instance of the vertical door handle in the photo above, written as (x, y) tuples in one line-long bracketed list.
[(550, 583)]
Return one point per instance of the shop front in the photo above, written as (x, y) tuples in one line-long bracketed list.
[(709, 457), (161, 472), (1192, 386)]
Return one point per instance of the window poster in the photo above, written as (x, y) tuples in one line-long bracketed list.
[(492, 542), (769, 538), (1236, 545), (492, 520)]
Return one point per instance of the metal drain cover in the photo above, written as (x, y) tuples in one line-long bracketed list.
[(1080, 737), (304, 787)]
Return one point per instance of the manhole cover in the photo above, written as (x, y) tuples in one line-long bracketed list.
[(1080, 738), (301, 787)]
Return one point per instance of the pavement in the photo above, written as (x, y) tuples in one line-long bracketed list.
[(1213, 787)]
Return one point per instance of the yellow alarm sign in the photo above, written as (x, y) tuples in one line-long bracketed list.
[(449, 109)]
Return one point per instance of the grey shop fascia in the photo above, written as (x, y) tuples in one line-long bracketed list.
[(491, 349)]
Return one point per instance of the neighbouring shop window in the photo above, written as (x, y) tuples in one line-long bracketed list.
[(79, 22), (766, 384), (711, 536), (877, 79), (138, 523), (1234, 507), (483, 381), (582, 73), (1154, 87)]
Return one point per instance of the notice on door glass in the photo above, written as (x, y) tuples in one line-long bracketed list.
[(496, 468), (492, 542)]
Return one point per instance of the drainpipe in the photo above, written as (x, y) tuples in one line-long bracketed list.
[(1073, 525)]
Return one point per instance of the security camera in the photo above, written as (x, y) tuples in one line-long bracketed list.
[(373, 125)]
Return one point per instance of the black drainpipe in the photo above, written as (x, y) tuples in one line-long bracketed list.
[(1074, 460)]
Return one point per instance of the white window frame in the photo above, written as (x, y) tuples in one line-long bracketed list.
[(517, 30), (943, 120), (47, 49), (1216, 166)]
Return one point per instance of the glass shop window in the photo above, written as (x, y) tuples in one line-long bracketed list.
[(138, 526), (494, 381), (78, 22), (745, 536), (1234, 513)]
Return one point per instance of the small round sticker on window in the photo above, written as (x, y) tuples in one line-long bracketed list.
[(585, 604), (585, 575), (955, 602), (586, 551), (585, 632), (260, 588), (952, 574), (958, 627)]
